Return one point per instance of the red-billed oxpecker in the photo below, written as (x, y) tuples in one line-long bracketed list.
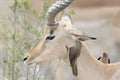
[(104, 58), (75, 51)]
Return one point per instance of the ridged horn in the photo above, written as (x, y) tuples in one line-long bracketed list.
[(55, 9)]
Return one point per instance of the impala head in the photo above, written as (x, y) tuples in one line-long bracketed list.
[(56, 36)]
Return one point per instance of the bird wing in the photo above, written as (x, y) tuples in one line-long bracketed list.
[(71, 55), (74, 69), (74, 52)]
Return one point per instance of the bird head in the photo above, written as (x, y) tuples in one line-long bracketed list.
[(105, 54)]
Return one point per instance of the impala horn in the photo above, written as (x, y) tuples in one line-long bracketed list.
[(55, 9)]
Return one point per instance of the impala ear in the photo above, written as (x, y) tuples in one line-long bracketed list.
[(67, 18), (83, 37), (74, 32), (78, 35)]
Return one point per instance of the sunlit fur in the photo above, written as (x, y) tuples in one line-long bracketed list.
[(54, 49)]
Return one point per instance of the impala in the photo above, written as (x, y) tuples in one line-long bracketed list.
[(52, 47)]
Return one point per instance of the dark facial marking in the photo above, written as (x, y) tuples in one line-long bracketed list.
[(50, 37)]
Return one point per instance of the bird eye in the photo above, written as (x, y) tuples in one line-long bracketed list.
[(50, 37)]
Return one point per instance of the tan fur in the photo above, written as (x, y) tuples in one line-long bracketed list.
[(89, 68), (87, 64)]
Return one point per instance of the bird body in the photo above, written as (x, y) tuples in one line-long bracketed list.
[(74, 53)]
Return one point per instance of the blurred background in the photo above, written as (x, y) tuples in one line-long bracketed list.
[(22, 22)]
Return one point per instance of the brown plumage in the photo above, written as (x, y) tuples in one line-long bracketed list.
[(74, 53)]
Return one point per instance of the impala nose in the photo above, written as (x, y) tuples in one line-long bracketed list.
[(25, 58)]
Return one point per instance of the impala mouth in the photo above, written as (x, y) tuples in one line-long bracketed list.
[(25, 62), (30, 63)]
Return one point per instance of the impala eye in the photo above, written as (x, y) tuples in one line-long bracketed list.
[(50, 37)]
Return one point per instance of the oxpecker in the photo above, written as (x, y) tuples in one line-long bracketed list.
[(75, 51), (104, 58)]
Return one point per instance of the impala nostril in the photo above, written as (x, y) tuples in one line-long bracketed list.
[(25, 58)]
